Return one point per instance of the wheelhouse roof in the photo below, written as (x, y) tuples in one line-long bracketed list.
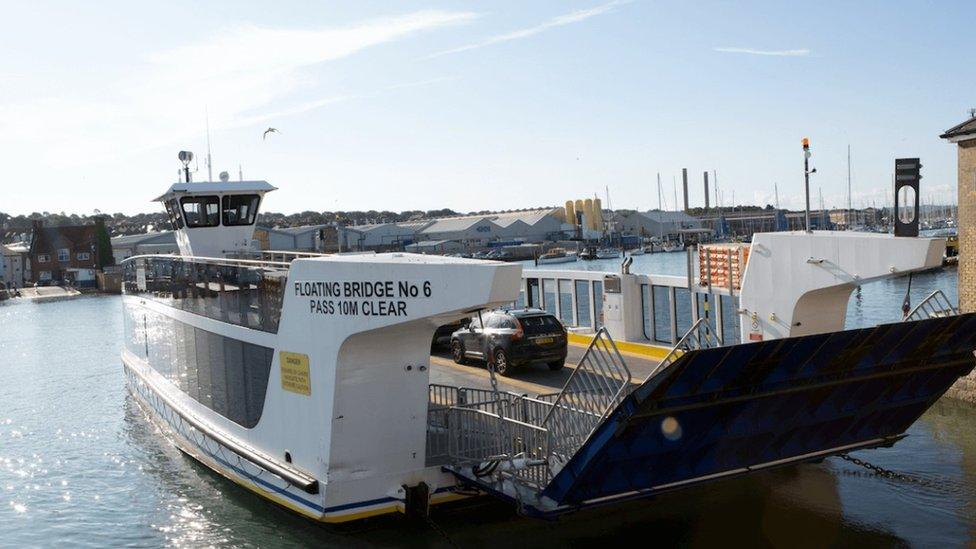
[(211, 187)]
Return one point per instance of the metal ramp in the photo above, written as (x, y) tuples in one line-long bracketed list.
[(708, 413)]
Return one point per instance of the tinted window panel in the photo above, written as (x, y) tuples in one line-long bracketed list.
[(201, 211), (662, 313), (228, 376), (240, 209)]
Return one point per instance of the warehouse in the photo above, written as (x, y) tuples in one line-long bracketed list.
[(654, 223)]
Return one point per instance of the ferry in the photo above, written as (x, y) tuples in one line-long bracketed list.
[(306, 380)]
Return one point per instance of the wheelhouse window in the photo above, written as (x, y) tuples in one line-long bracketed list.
[(201, 211), (240, 209), (173, 211), (64, 255)]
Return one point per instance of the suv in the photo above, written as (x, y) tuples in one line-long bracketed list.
[(512, 337)]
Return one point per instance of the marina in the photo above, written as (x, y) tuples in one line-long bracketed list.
[(334, 275)]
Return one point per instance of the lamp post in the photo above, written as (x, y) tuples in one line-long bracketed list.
[(806, 179)]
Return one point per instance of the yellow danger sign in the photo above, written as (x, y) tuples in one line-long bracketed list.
[(294, 373)]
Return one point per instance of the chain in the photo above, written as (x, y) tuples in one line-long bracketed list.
[(887, 473), (440, 531)]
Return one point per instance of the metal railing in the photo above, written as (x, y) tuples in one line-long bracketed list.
[(934, 306), (242, 292), (597, 385), (700, 336)]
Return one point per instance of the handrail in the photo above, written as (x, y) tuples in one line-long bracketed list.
[(689, 342), (213, 260), (936, 304)]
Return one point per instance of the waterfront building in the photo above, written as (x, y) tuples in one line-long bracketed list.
[(307, 238), (664, 225), (125, 246), (65, 254), (12, 266), (471, 231), (964, 136)]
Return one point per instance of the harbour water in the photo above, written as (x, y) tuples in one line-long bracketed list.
[(80, 465)]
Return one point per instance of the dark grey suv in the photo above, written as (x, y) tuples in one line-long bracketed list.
[(512, 337)]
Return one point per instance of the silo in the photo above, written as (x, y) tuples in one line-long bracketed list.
[(588, 212), (570, 213), (597, 214)]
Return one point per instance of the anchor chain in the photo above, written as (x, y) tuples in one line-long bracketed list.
[(887, 473)]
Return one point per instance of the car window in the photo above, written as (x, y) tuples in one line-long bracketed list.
[(497, 321), (542, 324), (475, 322)]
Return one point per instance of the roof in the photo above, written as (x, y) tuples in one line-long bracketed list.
[(136, 239), (216, 187), (301, 230), (966, 128), (451, 224), (668, 217), (73, 237), (428, 243)]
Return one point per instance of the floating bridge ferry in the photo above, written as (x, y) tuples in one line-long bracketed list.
[(307, 380)]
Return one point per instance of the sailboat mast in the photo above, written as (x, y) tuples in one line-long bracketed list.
[(850, 212), (658, 192)]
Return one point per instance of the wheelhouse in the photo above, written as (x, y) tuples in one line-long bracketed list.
[(214, 219)]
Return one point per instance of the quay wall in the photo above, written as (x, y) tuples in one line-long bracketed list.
[(965, 388)]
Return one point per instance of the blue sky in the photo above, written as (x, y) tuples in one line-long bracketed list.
[(471, 106)]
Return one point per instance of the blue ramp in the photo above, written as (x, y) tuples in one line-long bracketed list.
[(731, 410)]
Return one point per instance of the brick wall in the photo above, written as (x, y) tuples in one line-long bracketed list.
[(965, 388), (967, 226)]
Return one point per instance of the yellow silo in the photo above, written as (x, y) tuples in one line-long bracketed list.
[(588, 212), (597, 214), (570, 212), (579, 206)]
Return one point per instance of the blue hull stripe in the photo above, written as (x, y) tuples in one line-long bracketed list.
[(290, 495)]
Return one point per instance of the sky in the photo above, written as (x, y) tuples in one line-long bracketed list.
[(478, 106)]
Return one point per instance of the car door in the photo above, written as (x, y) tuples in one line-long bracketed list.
[(472, 338)]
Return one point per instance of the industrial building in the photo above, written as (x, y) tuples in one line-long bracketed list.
[(469, 232), (163, 242), (656, 223)]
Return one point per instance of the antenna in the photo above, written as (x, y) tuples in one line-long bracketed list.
[(240, 173), (209, 167), (776, 191)]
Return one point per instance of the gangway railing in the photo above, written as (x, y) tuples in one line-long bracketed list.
[(933, 306), (700, 336), (598, 384)]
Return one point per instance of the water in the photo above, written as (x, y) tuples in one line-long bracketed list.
[(81, 466)]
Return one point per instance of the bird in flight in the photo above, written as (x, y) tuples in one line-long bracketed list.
[(269, 130)]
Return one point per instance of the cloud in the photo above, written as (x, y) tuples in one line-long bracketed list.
[(558, 21), (772, 53), (236, 74)]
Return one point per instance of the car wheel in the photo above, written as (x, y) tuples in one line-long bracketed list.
[(457, 351), (502, 366), (557, 365)]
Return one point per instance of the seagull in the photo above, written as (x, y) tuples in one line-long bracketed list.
[(269, 130)]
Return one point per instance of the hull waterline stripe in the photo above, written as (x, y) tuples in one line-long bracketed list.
[(305, 482), (284, 492)]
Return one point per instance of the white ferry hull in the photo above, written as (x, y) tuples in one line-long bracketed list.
[(349, 445)]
